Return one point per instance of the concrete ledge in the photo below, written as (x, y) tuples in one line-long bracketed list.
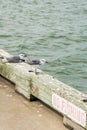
[(64, 99)]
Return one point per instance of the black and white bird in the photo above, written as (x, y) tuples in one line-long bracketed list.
[(15, 59)]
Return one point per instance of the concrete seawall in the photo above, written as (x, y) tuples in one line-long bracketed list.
[(62, 98)]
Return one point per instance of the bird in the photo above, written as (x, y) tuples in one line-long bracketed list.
[(15, 59), (37, 63)]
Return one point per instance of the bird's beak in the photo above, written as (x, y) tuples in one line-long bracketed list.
[(46, 61)]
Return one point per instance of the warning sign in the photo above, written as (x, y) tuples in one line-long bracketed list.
[(69, 109)]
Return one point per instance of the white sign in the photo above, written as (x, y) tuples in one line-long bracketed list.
[(69, 109)]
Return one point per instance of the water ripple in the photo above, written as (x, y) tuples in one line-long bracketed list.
[(51, 29)]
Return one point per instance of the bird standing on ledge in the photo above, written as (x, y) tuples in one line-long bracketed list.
[(36, 63), (14, 59)]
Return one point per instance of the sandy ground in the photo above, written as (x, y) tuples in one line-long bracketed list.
[(17, 113)]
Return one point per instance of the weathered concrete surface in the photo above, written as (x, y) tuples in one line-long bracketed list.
[(61, 97), (17, 113)]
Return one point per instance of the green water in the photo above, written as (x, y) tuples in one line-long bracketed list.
[(51, 29)]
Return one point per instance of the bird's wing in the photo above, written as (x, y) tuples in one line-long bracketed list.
[(14, 59), (36, 62)]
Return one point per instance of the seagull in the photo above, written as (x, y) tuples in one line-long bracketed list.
[(37, 63), (15, 59)]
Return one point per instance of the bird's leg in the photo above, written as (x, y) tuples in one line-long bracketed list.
[(35, 70)]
